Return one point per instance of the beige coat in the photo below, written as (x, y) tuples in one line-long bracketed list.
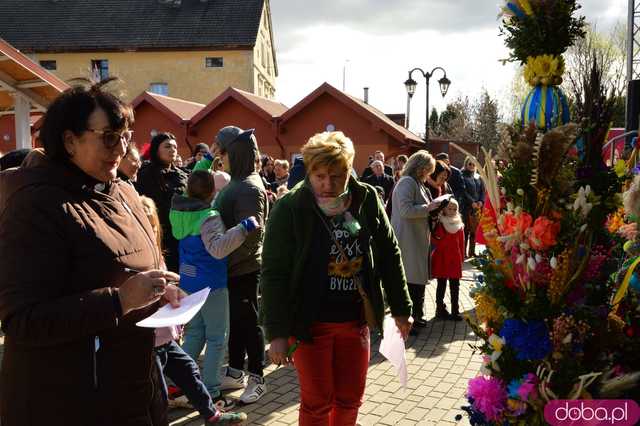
[(410, 221)]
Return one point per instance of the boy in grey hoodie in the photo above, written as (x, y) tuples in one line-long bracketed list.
[(245, 196)]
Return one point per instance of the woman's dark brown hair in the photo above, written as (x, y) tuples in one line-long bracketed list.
[(156, 141), (441, 166), (71, 111)]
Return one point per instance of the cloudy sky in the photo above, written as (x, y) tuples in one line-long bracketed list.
[(378, 41)]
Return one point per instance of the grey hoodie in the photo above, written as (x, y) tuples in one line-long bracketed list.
[(244, 196)]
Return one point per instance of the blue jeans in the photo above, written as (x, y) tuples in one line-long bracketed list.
[(183, 371), (210, 326)]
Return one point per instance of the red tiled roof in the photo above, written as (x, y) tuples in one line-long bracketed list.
[(408, 135), (178, 109), (276, 109), (366, 110), (264, 107)]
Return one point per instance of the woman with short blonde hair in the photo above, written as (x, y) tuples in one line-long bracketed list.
[(412, 204), (328, 149), (320, 293), (418, 163)]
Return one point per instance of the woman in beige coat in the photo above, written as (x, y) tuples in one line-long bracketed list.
[(412, 204)]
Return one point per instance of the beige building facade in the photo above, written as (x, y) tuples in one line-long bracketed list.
[(190, 73)]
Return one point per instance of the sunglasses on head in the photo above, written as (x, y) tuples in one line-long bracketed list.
[(110, 138)]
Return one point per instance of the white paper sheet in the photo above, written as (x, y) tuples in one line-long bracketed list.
[(442, 198), (168, 316), (392, 348)]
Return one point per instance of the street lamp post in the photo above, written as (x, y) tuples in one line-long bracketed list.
[(411, 84)]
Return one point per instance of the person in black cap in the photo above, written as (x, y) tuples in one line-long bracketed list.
[(245, 196), (198, 152), (160, 179)]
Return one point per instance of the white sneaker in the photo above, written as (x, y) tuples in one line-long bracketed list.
[(256, 388), (180, 402), (233, 379)]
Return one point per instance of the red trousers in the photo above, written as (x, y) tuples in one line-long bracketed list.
[(332, 371)]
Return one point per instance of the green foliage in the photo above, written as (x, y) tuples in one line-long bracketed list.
[(485, 126), (434, 123), (550, 30), (447, 118), (618, 118), (518, 176)]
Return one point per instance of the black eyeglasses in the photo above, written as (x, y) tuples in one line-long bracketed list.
[(110, 138)]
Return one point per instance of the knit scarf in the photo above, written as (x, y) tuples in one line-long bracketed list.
[(451, 224), (334, 206)]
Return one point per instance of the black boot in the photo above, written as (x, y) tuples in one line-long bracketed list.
[(472, 245), (441, 308), (416, 291), (454, 291)]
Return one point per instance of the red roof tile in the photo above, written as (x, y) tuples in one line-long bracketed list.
[(366, 110), (264, 107), (179, 109)]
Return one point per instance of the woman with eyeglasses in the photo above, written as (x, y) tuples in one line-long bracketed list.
[(160, 180), (72, 240)]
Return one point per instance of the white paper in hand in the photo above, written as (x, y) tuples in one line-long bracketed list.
[(442, 198), (392, 348), (168, 316)]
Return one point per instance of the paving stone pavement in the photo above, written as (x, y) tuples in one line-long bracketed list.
[(440, 362)]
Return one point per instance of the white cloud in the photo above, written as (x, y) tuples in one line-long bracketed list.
[(382, 41)]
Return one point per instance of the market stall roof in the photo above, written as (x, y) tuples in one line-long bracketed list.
[(19, 75)]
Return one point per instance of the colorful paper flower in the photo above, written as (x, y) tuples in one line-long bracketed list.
[(489, 396), (615, 221), (512, 223), (516, 407), (581, 204), (528, 387), (497, 344), (530, 339), (620, 168), (486, 308), (544, 70), (629, 231), (543, 233)]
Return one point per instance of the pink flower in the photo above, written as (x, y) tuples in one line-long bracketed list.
[(489, 396), (629, 231), (528, 389)]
